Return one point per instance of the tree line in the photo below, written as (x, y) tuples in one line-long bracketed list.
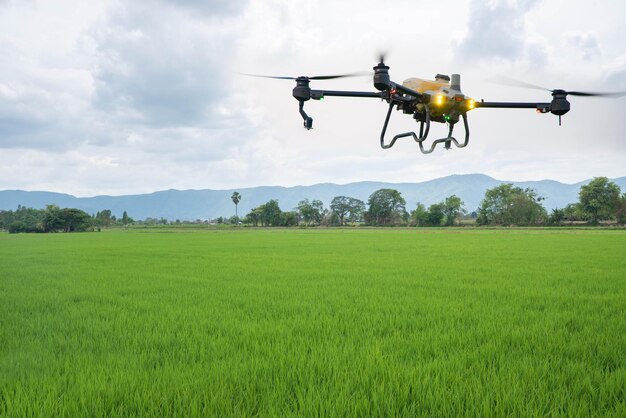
[(56, 219), (504, 205), (385, 207), (600, 200)]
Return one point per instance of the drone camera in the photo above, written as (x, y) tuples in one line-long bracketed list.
[(308, 123)]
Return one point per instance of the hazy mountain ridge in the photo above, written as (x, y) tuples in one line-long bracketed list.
[(207, 203)]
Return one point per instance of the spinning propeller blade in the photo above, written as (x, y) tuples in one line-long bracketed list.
[(522, 84), (315, 77), (589, 94)]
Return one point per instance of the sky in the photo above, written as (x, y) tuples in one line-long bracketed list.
[(118, 97)]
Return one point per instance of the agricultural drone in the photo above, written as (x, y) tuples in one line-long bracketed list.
[(440, 100)]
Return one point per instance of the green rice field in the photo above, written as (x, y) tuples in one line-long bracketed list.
[(313, 322)]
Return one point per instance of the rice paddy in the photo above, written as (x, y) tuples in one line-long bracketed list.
[(347, 322)]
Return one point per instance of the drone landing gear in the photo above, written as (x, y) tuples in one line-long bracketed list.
[(423, 134)]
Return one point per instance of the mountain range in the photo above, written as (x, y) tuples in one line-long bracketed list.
[(210, 204)]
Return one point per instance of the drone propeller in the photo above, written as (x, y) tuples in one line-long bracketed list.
[(316, 77), (597, 94), (522, 84)]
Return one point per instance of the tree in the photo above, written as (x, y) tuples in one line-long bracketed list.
[(126, 219), (53, 219), (289, 218), (236, 197), (23, 220), (435, 214), (599, 199), (556, 217), (386, 206), (270, 213), (573, 212), (347, 208), (510, 205), (104, 217), (66, 219), (75, 220), (357, 211), (452, 208), (620, 212), (6, 218), (311, 212), (254, 217), (420, 215), (330, 218)]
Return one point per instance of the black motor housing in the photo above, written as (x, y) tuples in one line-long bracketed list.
[(302, 91), (381, 77), (559, 105)]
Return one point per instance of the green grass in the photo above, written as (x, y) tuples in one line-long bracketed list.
[(313, 323)]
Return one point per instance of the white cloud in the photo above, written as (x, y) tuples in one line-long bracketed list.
[(124, 97), (586, 43), (496, 30), (614, 73), (162, 66)]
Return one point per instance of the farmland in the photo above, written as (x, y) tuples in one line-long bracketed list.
[(346, 322)]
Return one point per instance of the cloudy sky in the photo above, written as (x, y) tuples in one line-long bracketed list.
[(120, 97)]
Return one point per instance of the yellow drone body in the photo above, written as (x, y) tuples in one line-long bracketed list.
[(444, 94)]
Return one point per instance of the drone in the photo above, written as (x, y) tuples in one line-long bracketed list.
[(440, 100)]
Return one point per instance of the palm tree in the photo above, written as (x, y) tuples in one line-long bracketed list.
[(236, 199)]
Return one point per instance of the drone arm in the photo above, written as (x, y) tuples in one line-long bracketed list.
[(320, 94), (406, 90), (513, 105)]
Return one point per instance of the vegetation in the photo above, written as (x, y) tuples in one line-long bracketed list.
[(446, 212), (311, 213), (105, 218), (386, 207), (510, 205), (51, 219), (236, 198), (268, 214), (620, 211), (599, 199), (504, 205), (22, 220), (452, 209), (346, 322), (347, 208)]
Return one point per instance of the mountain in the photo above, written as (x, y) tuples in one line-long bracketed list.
[(203, 204)]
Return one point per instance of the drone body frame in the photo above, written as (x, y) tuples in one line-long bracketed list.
[(440, 100)]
